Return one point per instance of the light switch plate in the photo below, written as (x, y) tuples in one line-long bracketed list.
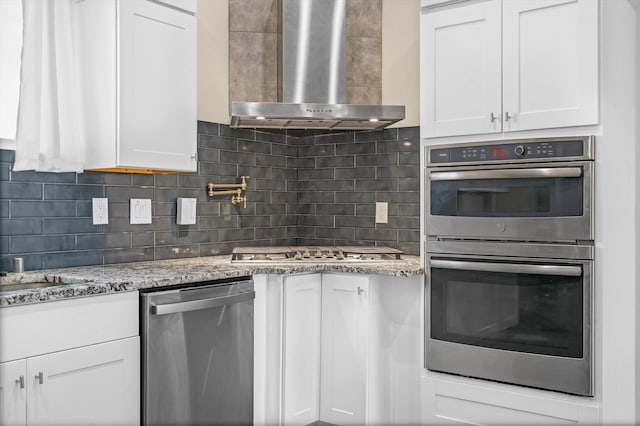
[(100, 211), (382, 212), (186, 214), (140, 211)]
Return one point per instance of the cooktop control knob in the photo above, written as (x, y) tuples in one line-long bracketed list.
[(519, 150)]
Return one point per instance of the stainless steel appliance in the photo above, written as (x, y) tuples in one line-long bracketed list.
[(514, 313), (509, 262), (312, 91), (315, 254), (197, 349), (532, 190)]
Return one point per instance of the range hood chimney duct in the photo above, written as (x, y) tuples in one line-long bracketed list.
[(312, 76)]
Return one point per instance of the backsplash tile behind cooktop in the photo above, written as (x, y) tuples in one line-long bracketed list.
[(305, 188)]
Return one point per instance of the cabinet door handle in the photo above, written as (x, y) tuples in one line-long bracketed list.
[(507, 116), (360, 290), (40, 377), (20, 381), (493, 117)]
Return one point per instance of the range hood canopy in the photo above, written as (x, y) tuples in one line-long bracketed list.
[(275, 115), (312, 76)]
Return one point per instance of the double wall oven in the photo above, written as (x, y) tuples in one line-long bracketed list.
[(509, 262)]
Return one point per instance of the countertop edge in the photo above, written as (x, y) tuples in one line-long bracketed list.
[(105, 279)]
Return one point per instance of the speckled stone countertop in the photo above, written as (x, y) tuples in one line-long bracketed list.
[(93, 280)]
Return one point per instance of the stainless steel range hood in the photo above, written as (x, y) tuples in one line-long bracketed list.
[(312, 76)]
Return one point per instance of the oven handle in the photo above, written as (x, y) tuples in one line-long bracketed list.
[(516, 268), (543, 172)]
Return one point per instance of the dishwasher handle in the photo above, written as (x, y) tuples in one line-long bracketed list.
[(194, 305)]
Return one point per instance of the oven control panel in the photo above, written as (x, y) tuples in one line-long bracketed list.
[(514, 151)]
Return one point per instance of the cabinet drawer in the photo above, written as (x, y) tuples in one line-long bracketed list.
[(42, 328), (454, 402)]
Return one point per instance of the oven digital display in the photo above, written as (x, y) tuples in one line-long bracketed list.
[(524, 151), (499, 153)]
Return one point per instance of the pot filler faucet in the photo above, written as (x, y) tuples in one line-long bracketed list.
[(238, 194)]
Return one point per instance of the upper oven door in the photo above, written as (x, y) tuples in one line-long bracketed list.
[(528, 202)]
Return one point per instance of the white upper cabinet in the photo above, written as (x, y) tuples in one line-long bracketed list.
[(461, 78), (550, 63), (508, 66), (137, 62)]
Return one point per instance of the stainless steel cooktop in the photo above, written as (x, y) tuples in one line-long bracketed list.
[(314, 254)]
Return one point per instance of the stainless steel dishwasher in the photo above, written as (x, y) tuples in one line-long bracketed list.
[(197, 354)]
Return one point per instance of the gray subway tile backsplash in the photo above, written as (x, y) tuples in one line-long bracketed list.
[(22, 191), (4, 171), (19, 227), (306, 188), (43, 208), (35, 244), (4, 209)]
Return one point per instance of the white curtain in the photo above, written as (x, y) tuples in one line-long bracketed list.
[(49, 136), (10, 51)]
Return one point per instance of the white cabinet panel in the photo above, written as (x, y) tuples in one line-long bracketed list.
[(13, 393), (188, 5), (503, 66), (462, 83), (98, 383), (344, 349), (550, 60), (137, 67), (302, 349), (63, 324), (461, 402), (157, 77)]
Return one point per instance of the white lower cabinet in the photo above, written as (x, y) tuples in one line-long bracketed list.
[(462, 401), (302, 349), (350, 349), (13, 394), (95, 381), (87, 385), (93, 384), (345, 332)]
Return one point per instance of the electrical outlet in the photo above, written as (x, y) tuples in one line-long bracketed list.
[(382, 212), (139, 211), (100, 211), (186, 211)]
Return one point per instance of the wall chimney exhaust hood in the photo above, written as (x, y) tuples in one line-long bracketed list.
[(312, 76)]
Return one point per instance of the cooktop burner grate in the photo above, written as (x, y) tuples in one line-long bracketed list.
[(314, 253)]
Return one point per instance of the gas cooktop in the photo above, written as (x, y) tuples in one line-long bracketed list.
[(314, 254)]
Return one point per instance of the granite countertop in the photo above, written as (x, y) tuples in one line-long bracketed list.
[(93, 280)]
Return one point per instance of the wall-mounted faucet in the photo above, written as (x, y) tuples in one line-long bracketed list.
[(238, 193)]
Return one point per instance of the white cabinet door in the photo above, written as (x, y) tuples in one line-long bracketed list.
[(88, 385), (550, 63), (13, 394), (461, 77), (157, 88), (462, 401), (344, 361), (302, 349)]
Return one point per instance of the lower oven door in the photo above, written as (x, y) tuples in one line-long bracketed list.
[(515, 320)]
